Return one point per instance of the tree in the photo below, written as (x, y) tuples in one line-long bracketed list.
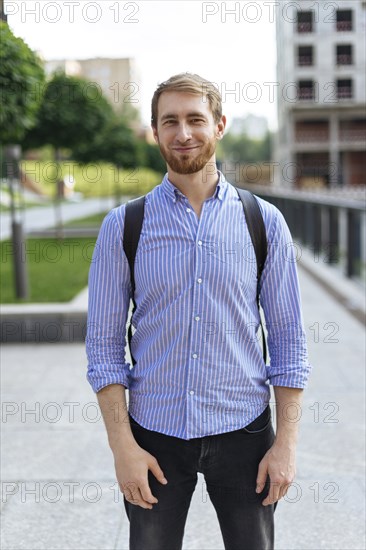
[(21, 79), (21, 82), (116, 143), (151, 157), (241, 148), (73, 111)]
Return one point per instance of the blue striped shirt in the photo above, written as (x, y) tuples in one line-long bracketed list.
[(199, 366)]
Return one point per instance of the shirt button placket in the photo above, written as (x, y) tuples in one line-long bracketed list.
[(195, 329)]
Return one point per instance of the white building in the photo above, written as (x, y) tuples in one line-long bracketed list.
[(116, 78), (321, 68)]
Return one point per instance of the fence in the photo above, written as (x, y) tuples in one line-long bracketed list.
[(332, 227)]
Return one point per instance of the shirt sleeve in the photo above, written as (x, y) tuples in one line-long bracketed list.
[(281, 303), (108, 304)]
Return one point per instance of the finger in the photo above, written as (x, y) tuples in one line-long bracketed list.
[(132, 493), (147, 494), (273, 494), (261, 477), (157, 471), (135, 498), (284, 488), (140, 501)]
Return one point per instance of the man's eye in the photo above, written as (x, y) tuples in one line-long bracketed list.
[(197, 120)]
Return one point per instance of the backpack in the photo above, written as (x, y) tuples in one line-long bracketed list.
[(134, 216)]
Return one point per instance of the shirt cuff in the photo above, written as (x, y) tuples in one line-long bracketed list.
[(295, 376), (100, 376)]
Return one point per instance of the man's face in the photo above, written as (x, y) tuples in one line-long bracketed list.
[(186, 132)]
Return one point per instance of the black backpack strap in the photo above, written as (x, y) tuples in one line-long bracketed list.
[(134, 217), (257, 232), (256, 227)]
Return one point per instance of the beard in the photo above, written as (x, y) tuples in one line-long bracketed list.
[(188, 164)]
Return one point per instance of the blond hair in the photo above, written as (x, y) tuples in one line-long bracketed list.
[(190, 83)]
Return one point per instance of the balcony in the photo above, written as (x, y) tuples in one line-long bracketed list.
[(309, 136), (311, 131), (352, 131), (352, 134)]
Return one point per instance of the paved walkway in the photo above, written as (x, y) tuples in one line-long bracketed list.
[(41, 217), (59, 489)]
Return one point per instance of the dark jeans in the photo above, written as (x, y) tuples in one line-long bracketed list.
[(229, 463)]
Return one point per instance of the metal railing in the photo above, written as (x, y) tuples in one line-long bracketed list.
[(306, 94), (344, 59), (344, 92), (305, 60), (344, 26), (332, 227), (305, 26), (308, 135), (352, 134)]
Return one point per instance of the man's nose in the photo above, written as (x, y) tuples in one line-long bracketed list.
[(184, 132)]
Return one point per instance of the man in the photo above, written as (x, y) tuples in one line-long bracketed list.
[(198, 392)]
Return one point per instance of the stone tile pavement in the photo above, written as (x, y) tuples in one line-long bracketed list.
[(58, 484)]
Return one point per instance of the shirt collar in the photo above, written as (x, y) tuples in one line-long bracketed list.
[(174, 193)]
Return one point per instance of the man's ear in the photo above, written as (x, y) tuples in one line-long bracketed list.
[(155, 133), (220, 127)]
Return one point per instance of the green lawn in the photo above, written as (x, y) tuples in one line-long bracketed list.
[(89, 221), (57, 269), (92, 180)]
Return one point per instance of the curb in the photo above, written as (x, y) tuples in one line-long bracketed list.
[(67, 322), (51, 323)]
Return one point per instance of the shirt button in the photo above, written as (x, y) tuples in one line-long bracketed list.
[(189, 210), (199, 280), (197, 318), (191, 392), (194, 355), (199, 243)]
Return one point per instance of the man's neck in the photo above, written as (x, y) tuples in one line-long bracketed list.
[(196, 187)]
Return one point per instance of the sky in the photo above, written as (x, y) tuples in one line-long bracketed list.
[(229, 43)]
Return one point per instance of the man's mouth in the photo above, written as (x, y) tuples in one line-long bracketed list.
[(184, 149)]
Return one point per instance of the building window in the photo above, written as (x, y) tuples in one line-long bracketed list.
[(344, 88), (344, 54), (344, 20), (305, 56), (306, 90), (305, 21)]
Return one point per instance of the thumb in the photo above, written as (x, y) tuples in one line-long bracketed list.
[(261, 477), (158, 472)]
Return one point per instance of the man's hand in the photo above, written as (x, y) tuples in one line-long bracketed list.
[(280, 464), (132, 465), (131, 461)]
